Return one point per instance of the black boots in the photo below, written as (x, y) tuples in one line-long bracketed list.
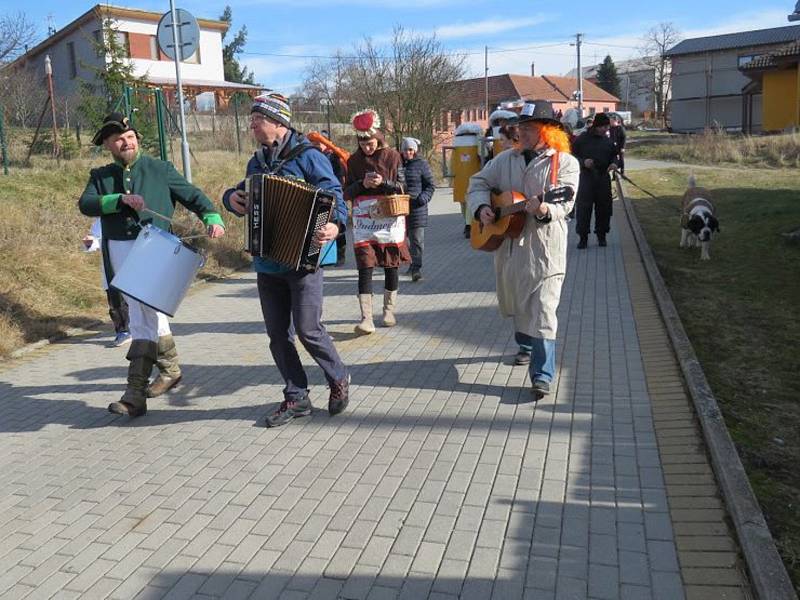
[(583, 242), (601, 240), (142, 356)]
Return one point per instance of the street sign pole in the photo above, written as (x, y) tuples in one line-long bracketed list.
[(187, 166)]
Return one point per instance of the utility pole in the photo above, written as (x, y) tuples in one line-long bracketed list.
[(486, 80), (580, 75), (48, 69), (187, 162)]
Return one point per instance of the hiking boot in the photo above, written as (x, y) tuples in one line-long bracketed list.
[(522, 358), (288, 410), (340, 396), (584, 241), (540, 388), (601, 240)]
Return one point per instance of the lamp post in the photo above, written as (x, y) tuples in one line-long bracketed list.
[(48, 70), (187, 163)]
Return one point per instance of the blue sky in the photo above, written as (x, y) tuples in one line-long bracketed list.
[(517, 33)]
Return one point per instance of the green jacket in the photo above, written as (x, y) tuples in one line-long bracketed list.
[(156, 181)]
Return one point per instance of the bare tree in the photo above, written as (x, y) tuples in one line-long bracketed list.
[(655, 44), (22, 93), (16, 32), (408, 83)]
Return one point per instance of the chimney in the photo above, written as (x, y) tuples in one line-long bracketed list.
[(533, 69)]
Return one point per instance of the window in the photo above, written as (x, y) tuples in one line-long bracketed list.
[(73, 63), (746, 58), (592, 110), (98, 42), (606, 109), (122, 40), (153, 48)]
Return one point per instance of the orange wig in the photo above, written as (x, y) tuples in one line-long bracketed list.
[(555, 137)]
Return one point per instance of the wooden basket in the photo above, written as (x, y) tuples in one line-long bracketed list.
[(396, 205)]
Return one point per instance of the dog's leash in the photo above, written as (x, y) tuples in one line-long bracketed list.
[(638, 187)]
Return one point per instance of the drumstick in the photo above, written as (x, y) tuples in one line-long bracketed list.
[(171, 222)]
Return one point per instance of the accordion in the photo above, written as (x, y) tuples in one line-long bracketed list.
[(284, 215)]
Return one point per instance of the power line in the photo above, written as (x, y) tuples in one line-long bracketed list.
[(389, 58)]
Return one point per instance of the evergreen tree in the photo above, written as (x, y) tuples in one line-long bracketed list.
[(234, 72), (607, 77)]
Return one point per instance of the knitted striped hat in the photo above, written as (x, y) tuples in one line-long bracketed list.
[(275, 106)]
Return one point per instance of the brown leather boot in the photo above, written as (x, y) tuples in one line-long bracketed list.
[(169, 371), (142, 356)]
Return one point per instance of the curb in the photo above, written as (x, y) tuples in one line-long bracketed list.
[(767, 572)]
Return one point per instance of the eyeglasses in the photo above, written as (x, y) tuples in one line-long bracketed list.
[(257, 119)]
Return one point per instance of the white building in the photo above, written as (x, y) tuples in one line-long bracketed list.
[(72, 50)]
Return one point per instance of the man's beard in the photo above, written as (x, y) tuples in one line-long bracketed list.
[(126, 157)]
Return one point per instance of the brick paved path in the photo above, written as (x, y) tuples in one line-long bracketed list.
[(442, 480)]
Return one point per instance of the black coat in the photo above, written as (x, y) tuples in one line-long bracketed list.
[(420, 186)]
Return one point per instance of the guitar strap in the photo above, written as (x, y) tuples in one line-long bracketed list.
[(554, 170)]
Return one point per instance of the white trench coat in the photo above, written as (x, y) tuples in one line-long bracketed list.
[(529, 269)]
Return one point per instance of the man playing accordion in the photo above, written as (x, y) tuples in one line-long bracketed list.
[(293, 297)]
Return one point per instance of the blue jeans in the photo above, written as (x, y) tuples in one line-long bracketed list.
[(416, 244), (543, 356), (295, 298)]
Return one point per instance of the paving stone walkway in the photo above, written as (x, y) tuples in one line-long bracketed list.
[(442, 480)]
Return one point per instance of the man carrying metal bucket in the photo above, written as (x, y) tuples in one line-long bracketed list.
[(118, 193)]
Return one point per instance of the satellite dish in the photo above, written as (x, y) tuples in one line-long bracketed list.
[(188, 34)]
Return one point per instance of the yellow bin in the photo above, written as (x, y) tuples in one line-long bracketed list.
[(465, 163)]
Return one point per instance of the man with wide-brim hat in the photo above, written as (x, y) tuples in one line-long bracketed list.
[(118, 193), (598, 158), (530, 268)]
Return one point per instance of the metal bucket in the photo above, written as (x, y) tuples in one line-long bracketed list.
[(158, 270)]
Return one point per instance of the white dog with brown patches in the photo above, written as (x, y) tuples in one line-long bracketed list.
[(698, 221)]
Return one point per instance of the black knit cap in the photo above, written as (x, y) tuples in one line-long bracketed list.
[(113, 123)]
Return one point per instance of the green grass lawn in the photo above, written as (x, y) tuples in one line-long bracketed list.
[(741, 311)]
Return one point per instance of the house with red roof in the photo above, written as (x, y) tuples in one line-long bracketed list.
[(469, 104)]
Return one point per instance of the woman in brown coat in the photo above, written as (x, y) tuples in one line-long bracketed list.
[(375, 170)]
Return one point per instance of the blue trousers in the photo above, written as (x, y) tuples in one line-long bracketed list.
[(543, 356), (295, 297)]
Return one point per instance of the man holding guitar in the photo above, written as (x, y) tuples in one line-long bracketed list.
[(536, 186)]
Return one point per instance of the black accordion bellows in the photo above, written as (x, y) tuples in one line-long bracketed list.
[(284, 215)]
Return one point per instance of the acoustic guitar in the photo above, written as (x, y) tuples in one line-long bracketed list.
[(509, 218)]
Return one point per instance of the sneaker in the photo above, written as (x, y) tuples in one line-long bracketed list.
[(522, 358), (288, 410), (340, 396), (583, 242), (540, 388), (416, 276), (122, 338)]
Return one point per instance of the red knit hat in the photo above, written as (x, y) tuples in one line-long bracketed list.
[(366, 124)]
